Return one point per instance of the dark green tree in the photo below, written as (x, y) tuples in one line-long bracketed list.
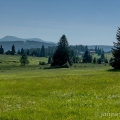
[(22, 51), (8, 52), (49, 60), (24, 59), (62, 53), (99, 60), (1, 50), (115, 62), (18, 52), (87, 58), (94, 60), (13, 50), (42, 52)]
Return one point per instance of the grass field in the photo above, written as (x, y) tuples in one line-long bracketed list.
[(82, 92)]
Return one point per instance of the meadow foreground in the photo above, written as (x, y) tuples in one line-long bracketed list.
[(83, 92)]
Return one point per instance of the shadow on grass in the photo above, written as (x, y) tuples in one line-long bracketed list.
[(113, 70)]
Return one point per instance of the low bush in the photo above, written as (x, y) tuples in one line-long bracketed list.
[(42, 63)]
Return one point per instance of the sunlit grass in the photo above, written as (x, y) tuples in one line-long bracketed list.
[(82, 92)]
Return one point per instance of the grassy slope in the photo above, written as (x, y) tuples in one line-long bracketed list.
[(83, 92)]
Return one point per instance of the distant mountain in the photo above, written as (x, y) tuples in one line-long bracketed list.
[(8, 41), (13, 38), (19, 43), (106, 48)]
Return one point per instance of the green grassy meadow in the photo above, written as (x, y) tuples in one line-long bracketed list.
[(82, 92)]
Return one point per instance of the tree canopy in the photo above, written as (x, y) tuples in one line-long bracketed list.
[(115, 61), (62, 53), (13, 50)]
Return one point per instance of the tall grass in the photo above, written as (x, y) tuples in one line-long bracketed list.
[(59, 94)]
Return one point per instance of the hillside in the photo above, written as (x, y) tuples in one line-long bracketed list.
[(8, 41), (19, 43)]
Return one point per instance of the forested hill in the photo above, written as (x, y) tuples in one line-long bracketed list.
[(19, 43)]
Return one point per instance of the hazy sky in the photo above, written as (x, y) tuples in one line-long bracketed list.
[(87, 22)]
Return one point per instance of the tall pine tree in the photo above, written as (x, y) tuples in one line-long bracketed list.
[(62, 53), (87, 58), (1, 50), (42, 52), (13, 50), (115, 62)]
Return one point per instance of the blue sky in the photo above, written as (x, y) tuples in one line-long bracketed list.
[(87, 22)]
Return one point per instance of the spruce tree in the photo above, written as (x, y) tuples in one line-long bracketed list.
[(42, 52), (115, 62), (22, 51), (1, 50), (13, 50), (62, 53), (49, 60), (87, 58)]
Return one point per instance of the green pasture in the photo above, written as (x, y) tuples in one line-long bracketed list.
[(82, 92)]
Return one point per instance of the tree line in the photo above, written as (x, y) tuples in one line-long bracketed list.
[(74, 52), (65, 55)]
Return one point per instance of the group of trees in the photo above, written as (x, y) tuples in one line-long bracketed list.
[(63, 54), (12, 51), (87, 58), (98, 50), (38, 52), (1, 50)]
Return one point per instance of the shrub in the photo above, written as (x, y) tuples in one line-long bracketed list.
[(42, 63), (48, 67)]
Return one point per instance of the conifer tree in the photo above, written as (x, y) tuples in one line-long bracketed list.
[(13, 50), (1, 50), (22, 51), (87, 58), (42, 52), (115, 61), (49, 60), (62, 53)]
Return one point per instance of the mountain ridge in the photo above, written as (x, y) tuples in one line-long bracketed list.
[(13, 38), (19, 43), (28, 43)]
